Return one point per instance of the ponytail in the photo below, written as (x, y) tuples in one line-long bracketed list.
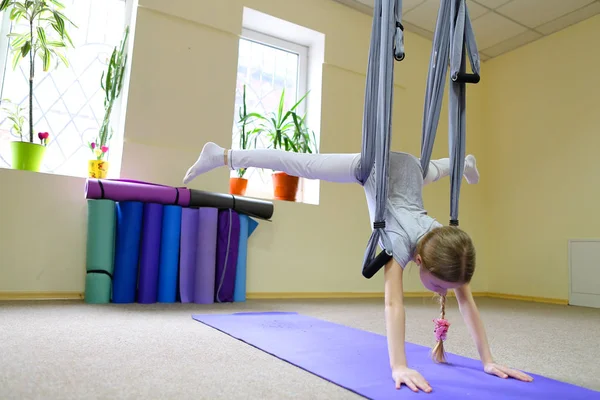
[(441, 330)]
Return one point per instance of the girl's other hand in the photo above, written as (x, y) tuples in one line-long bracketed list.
[(505, 372), (410, 378)]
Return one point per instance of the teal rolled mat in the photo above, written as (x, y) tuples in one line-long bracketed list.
[(100, 251)]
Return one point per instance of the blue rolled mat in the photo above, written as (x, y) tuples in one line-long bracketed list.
[(187, 253), (169, 254), (206, 256), (150, 253), (100, 250), (129, 232), (247, 227)]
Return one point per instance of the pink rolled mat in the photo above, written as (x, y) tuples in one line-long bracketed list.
[(206, 256), (131, 190), (188, 253)]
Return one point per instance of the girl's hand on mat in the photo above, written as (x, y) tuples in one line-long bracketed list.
[(410, 378), (505, 372)]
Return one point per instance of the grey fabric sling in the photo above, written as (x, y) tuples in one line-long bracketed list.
[(453, 29)]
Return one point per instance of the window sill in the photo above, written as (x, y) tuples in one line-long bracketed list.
[(75, 166), (78, 175), (261, 188)]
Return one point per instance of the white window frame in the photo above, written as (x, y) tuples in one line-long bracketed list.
[(302, 79)]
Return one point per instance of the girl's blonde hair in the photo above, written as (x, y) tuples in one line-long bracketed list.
[(448, 254)]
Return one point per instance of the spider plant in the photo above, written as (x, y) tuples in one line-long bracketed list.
[(284, 130)]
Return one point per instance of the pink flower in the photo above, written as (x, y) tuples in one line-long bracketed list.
[(441, 328), (104, 149), (43, 135), (93, 145)]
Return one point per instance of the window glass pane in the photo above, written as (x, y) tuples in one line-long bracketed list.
[(68, 102), (266, 71)]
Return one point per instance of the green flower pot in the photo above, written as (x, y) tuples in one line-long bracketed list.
[(27, 156)]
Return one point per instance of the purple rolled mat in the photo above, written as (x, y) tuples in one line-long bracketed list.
[(150, 253), (227, 254), (129, 190), (187, 253), (206, 255)]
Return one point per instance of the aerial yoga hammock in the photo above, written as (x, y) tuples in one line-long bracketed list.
[(453, 40)]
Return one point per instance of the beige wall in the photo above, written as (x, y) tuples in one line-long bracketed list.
[(542, 119), (182, 95)]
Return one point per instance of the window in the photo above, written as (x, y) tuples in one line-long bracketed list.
[(68, 102), (267, 65)]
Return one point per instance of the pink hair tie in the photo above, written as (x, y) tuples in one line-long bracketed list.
[(441, 328)]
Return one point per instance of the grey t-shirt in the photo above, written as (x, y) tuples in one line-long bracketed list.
[(406, 219)]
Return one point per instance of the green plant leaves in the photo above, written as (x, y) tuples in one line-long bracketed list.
[(57, 3), (41, 36), (14, 115), (46, 59), (111, 81), (4, 4), (18, 40), (17, 13), (25, 49), (41, 15), (287, 131), (61, 57)]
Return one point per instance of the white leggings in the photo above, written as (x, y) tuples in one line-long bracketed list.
[(340, 168)]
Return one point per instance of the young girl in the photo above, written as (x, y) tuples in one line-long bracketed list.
[(445, 254)]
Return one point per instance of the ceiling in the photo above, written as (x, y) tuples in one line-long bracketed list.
[(500, 25)]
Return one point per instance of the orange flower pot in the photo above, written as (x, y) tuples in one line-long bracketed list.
[(285, 186), (238, 186)]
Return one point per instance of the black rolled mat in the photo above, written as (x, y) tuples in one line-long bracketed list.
[(244, 205)]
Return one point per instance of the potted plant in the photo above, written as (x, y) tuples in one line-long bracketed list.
[(285, 131), (299, 139), (112, 84), (44, 18), (17, 119), (238, 184)]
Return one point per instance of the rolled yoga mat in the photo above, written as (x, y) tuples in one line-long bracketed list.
[(169, 254), (206, 256), (244, 205), (127, 253), (358, 360), (228, 239), (100, 250), (128, 190), (187, 253), (150, 253), (247, 227)]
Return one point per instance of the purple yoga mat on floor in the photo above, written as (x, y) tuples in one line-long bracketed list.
[(358, 360), (206, 253), (187, 253), (130, 190), (228, 241), (150, 253)]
